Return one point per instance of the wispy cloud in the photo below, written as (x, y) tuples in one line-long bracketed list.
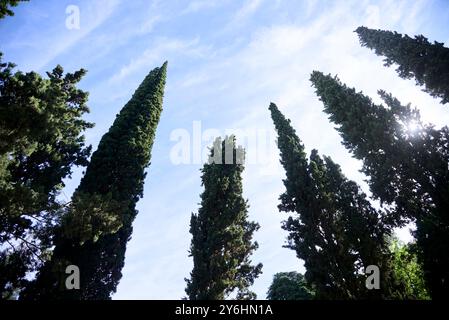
[(158, 52), (93, 15), (246, 10), (148, 25), (198, 5), (241, 16)]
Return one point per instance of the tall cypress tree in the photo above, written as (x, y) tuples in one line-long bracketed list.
[(336, 231), (221, 233), (98, 224), (407, 168), (416, 58)]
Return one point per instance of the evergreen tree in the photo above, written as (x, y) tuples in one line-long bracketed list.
[(416, 58), (221, 233), (336, 231), (6, 5), (98, 223), (41, 140), (407, 166), (289, 286)]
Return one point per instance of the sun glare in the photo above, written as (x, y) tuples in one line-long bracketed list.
[(412, 127)]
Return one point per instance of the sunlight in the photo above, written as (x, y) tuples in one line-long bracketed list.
[(412, 127)]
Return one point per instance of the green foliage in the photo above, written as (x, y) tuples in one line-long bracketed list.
[(408, 271), (416, 58), (91, 215), (93, 235), (336, 231), (5, 7), (221, 233), (407, 170), (289, 286), (13, 266), (41, 140)]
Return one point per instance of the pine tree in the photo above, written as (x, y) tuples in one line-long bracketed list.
[(336, 231), (98, 224), (406, 163), (416, 58), (221, 233), (41, 140)]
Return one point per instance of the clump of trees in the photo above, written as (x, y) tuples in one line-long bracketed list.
[(333, 226), (407, 170), (98, 223), (336, 231), (41, 140)]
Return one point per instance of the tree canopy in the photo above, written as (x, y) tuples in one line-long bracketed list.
[(415, 58), (289, 286)]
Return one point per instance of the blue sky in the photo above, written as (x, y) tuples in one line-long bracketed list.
[(227, 61)]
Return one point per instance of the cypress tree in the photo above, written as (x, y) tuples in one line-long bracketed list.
[(95, 230), (221, 233), (416, 58), (407, 168), (336, 231)]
